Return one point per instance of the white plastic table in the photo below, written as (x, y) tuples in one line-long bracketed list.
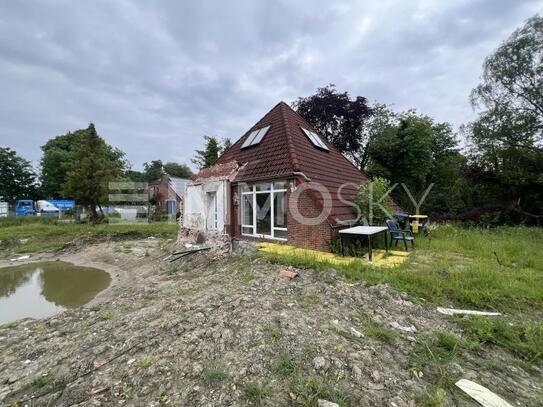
[(368, 231)]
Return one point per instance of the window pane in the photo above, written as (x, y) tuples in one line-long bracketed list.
[(260, 135), (280, 234), (246, 230), (263, 187), (246, 188), (249, 140), (280, 210), (263, 217), (279, 185), (247, 208)]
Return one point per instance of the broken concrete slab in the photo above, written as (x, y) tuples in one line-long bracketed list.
[(408, 329), (481, 394), (288, 273), (326, 403), (454, 311)]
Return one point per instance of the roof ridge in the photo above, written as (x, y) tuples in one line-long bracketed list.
[(290, 144)]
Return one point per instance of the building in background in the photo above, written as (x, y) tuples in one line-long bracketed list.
[(166, 194)]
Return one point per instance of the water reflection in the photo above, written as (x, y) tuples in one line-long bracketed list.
[(42, 289)]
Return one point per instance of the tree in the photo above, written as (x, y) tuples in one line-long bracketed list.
[(59, 153), (505, 142), (513, 75), (89, 172), (226, 144), (135, 176), (209, 154), (417, 152), (153, 170), (506, 164), (177, 170), (338, 118), (377, 190), (17, 178)]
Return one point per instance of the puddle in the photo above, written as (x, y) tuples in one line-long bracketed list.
[(39, 290)]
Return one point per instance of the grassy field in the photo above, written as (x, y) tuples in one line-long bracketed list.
[(498, 269), (32, 235)]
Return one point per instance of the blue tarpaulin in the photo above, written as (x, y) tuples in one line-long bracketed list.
[(63, 204)]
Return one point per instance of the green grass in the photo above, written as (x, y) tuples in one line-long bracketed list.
[(498, 269), (145, 362), (524, 339), (435, 354), (49, 235), (40, 382), (215, 374), (309, 390), (458, 266), (286, 365), (255, 392)]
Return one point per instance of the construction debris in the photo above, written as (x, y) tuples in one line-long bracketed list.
[(481, 394), (26, 257), (288, 273), (98, 390), (177, 255), (453, 311), (408, 329), (355, 333)]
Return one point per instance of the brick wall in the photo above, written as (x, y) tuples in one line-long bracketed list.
[(316, 237)]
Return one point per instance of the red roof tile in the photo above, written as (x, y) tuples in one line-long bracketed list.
[(285, 149)]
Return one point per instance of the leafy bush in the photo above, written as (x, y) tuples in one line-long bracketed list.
[(373, 201)]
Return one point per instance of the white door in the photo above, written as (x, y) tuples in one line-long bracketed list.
[(211, 221)]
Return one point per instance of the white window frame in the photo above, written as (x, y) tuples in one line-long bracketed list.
[(271, 192)]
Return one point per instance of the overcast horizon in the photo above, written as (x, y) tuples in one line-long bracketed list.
[(154, 78)]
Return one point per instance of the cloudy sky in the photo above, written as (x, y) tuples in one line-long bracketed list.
[(155, 76)]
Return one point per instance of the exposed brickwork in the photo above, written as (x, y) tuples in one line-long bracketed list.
[(316, 237)]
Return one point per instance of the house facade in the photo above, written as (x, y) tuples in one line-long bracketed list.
[(167, 191), (281, 181)]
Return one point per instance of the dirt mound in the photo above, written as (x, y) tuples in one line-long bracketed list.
[(207, 332)]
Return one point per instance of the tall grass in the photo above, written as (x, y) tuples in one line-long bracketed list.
[(47, 234), (496, 269)]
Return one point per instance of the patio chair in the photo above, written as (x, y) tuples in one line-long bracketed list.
[(397, 234), (403, 219)]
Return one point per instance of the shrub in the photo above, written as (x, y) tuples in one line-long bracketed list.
[(372, 198)]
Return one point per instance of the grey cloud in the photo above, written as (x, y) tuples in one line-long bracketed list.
[(156, 76)]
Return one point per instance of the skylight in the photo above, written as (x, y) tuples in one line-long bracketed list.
[(316, 140), (255, 137)]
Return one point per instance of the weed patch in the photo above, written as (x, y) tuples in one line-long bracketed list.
[(522, 339), (308, 390), (215, 374), (256, 392)]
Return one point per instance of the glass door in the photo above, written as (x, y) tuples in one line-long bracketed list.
[(263, 214)]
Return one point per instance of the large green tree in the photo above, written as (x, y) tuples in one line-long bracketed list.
[(414, 150), (17, 177), (506, 141), (338, 118), (208, 155), (93, 165), (513, 75), (177, 170), (153, 170), (59, 153)]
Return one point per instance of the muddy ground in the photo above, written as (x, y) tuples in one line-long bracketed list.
[(206, 331)]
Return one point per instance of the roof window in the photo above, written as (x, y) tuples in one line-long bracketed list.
[(255, 137), (316, 140)]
